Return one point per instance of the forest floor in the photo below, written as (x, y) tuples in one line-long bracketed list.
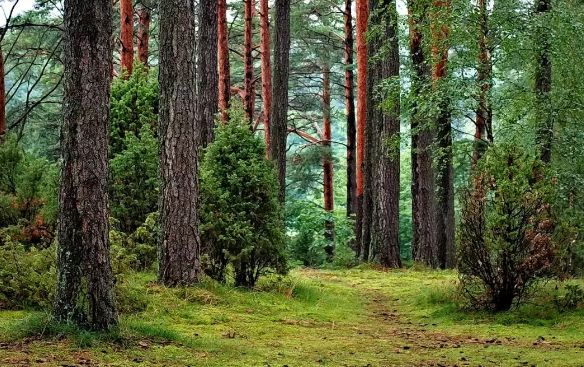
[(360, 317)]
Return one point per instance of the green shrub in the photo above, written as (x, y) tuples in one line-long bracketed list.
[(308, 241), (570, 299), (28, 196), (134, 104), (137, 251), (507, 239), (134, 150), (27, 277), (242, 220)]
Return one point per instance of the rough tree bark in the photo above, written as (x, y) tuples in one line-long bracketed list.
[(327, 164), (383, 126), (362, 19), (248, 77), (144, 33), (127, 36), (266, 69), (350, 107), (543, 82), (223, 56), (180, 138), (484, 113), (444, 170), (207, 77), (423, 180), (85, 286), (2, 97), (279, 128)]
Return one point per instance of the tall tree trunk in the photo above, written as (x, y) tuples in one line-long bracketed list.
[(423, 180), (85, 287), (223, 56), (444, 171), (248, 78), (327, 160), (127, 35), (2, 97), (350, 107), (383, 127), (207, 77), (266, 69), (543, 82), (279, 128), (144, 33), (362, 19), (180, 138), (484, 114)]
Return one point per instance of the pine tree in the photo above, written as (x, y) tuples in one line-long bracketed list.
[(248, 74), (279, 128), (223, 59), (383, 125), (543, 82), (207, 77), (180, 138), (327, 165), (361, 29), (266, 69), (145, 15), (444, 170), (484, 112), (127, 35), (350, 109), (84, 268), (423, 175), (2, 97)]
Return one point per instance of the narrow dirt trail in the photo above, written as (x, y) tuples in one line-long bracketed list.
[(435, 344)]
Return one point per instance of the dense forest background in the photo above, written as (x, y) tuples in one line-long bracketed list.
[(463, 98)]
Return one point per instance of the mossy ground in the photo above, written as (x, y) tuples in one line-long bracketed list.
[(360, 317)]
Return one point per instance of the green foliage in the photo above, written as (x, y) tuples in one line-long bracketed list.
[(134, 149), (571, 299), (136, 251), (506, 242), (27, 277), (28, 195), (134, 103), (306, 224), (242, 220)]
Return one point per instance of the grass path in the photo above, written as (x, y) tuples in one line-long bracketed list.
[(354, 318)]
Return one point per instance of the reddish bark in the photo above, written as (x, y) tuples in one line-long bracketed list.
[(326, 123), (144, 34), (266, 69), (362, 18), (127, 35), (248, 101), (350, 107), (223, 60), (2, 97), (327, 161), (444, 170)]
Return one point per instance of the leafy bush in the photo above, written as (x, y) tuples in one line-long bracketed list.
[(506, 242), (137, 251), (134, 104), (308, 241), (242, 220), (28, 196), (134, 149), (27, 277), (571, 299)]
